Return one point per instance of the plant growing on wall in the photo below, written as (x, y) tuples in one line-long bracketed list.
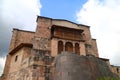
[(108, 78)]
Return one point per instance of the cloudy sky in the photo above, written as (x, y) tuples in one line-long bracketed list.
[(102, 15)]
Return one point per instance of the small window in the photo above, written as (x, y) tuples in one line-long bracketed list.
[(60, 47), (16, 58), (117, 70)]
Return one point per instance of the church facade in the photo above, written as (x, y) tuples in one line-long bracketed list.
[(31, 54)]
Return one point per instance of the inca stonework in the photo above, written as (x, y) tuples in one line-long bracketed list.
[(42, 55)]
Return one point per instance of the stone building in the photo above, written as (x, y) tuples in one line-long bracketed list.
[(31, 54)]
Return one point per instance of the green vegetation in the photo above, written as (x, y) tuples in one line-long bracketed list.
[(108, 78)]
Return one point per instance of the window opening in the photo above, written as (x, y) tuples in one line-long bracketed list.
[(77, 49), (69, 47), (60, 47), (16, 58)]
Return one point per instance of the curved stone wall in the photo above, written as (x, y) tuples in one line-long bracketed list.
[(70, 66)]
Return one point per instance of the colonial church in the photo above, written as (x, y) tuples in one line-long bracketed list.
[(32, 55)]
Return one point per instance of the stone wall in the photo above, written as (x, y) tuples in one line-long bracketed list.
[(42, 40), (20, 36), (69, 66), (94, 47), (115, 69), (19, 65)]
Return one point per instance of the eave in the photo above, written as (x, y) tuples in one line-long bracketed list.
[(19, 47), (104, 59), (55, 26)]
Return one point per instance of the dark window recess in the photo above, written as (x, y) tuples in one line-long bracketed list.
[(69, 47), (117, 70), (34, 67), (77, 48), (60, 47), (16, 58)]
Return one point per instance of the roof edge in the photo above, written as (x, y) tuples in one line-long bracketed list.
[(42, 17), (94, 39), (19, 47), (23, 30), (62, 20), (104, 59)]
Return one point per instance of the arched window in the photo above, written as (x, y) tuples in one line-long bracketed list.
[(69, 47), (60, 47), (77, 49)]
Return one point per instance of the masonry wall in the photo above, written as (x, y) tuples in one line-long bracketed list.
[(88, 41), (94, 47), (42, 34), (16, 60), (54, 47), (20, 36), (69, 66), (19, 63), (115, 69), (6, 68), (86, 33)]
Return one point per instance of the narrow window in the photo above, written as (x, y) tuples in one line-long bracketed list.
[(16, 58), (60, 47), (117, 70), (77, 49)]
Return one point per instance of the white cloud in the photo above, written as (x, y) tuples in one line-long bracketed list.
[(2, 63), (104, 18), (20, 13)]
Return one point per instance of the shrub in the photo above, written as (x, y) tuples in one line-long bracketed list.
[(108, 78)]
